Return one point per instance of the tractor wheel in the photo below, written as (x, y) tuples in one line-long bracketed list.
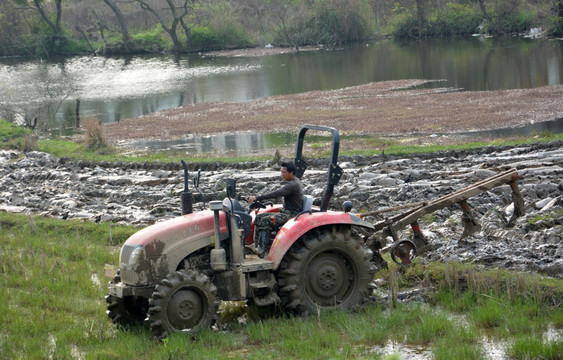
[(127, 311), (328, 268), (183, 301)]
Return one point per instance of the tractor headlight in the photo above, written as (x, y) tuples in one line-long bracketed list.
[(137, 256), (133, 265)]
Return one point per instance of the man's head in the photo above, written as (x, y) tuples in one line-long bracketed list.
[(287, 170)]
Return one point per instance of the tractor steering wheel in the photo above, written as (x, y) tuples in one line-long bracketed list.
[(256, 204)]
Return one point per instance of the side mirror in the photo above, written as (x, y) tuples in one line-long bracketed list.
[(196, 179), (231, 188), (347, 206)]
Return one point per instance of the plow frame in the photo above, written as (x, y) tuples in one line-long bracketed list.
[(404, 251)]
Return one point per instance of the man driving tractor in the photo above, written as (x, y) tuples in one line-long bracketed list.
[(266, 223)]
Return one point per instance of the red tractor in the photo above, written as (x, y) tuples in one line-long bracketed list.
[(173, 274)]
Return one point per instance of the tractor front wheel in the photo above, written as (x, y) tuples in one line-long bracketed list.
[(184, 301), (328, 268), (128, 311)]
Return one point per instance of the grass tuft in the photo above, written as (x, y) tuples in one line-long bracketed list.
[(94, 135)]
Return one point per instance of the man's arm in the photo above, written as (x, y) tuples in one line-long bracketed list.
[(281, 192)]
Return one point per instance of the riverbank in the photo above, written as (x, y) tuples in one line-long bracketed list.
[(402, 107)]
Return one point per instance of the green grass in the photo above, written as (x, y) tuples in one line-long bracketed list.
[(52, 284), (368, 146), (352, 144), (12, 136)]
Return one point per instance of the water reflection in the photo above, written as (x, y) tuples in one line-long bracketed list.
[(237, 144), (248, 143), (112, 89)]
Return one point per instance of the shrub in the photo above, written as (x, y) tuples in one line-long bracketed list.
[(153, 40), (95, 139), (455, 19), (340, 25), (42, 41), (202, 38), (405, 25), (221, 30), (452, 19), (327, 22), (28, 143)]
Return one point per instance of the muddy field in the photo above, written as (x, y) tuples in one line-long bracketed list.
[(384, 108), (142, 194)]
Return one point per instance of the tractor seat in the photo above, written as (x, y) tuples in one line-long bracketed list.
[(307, 203)]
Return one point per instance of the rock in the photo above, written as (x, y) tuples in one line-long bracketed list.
[(542, 203)]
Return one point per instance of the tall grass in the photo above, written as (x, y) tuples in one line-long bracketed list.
[(94, 135)]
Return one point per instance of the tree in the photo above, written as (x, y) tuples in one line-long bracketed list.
[(55, 26), (501, 9), (122, 24), (177, 18), (421, 17), (51, 39), (39, 5)]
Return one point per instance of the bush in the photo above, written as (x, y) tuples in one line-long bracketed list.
[(452, 19), (95, 139), (222, 29), (44, 42), (405, 25), (330, 22), (513, 23), (154, 40), (28, 143), (202, 38), (338, 26), (455, 19), (554, 26)]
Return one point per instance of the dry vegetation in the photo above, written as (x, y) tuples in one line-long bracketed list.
[(390, 107)]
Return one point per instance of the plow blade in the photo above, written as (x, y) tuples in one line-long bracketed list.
[(403, 252)]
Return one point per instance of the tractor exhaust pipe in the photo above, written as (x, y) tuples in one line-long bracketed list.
[(186, 197)]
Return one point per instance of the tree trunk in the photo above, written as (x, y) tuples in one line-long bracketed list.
[(421, 16), (187, 29), (56, 26), (170, 30), (121, 20)]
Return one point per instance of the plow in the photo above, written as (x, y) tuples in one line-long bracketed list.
[(404, 251)]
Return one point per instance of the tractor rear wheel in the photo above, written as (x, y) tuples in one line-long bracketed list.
[(183, 301), (327, 268)]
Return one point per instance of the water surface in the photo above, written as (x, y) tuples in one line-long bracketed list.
[(112, 89)]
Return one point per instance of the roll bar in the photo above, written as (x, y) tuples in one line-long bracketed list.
[(334, 171)]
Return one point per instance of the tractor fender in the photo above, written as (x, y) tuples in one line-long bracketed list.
[(296, 227)]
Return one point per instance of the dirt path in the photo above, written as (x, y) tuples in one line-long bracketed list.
[(390, 107)]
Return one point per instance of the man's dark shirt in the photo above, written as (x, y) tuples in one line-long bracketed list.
[(292, 193)]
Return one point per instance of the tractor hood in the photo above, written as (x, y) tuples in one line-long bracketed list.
[(151, 253)]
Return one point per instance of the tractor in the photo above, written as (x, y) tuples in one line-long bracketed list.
[(173, 275)]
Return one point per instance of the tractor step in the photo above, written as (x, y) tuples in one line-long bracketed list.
[(263, 288), (253, 263)]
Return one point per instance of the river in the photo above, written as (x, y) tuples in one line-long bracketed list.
[(115, 88), (111, 89)]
